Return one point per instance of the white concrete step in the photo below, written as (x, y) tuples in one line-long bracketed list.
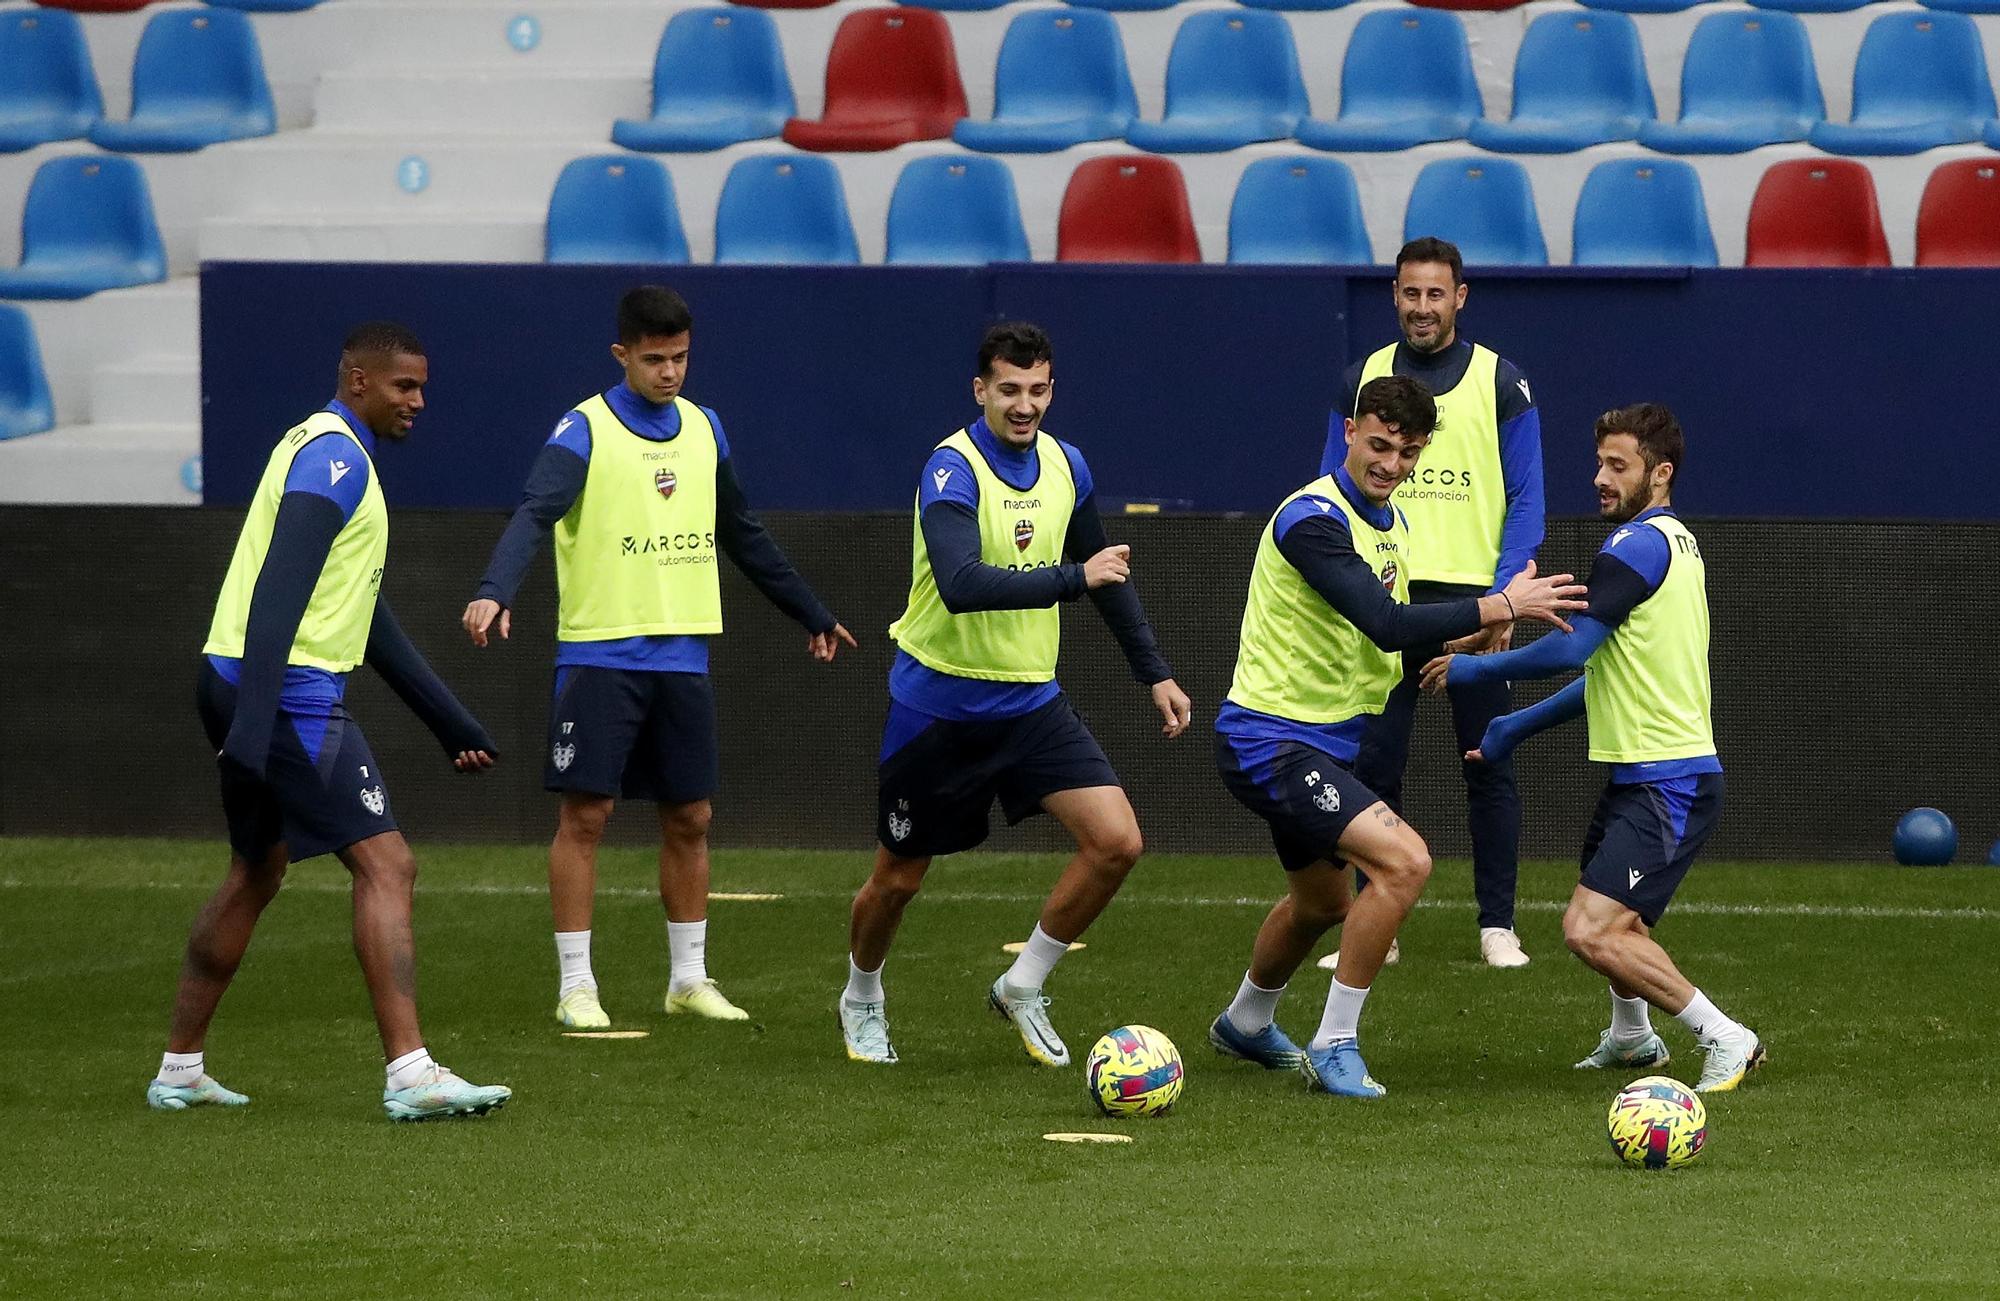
[(508, 101), (442, 235), (147, 391), (122, 464), (146, 321)]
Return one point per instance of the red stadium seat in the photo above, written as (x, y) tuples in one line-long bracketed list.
[(1958, 224), (1813, 213), (95, 6), (891, 77), (1126, 209)]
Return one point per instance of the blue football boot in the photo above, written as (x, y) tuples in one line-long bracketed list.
[(1270, 1047), (1339, 1070)]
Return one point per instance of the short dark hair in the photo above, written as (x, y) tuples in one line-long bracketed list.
[(1656, 431), (1432, 249), (652, 312), (375, 339), (1017, 343), (1399, 402)]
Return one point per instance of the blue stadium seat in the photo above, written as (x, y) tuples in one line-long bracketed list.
[(1125, 6), (1486, 206), (954, 6), (1580, 79), (47, 88), (719, 78), (1992, 134), (1060, 80), (197, 80), (87, 225), (614, 208), (1748, 81), (1965, 6), (784, 208), (1642, 212), (25, 406), (1300, 211), (1643, 6), (1919, 81), (953, 210), (1406, 79), (1297, 6), (1811, 6), (265, 6), (1232, 80)]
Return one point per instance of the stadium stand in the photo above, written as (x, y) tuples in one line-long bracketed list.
[(1958, 221), (785, 4), (955, 210), (25, 405), (1061, 80), (1812, 6), (891, 78), (781, 209), (615, 208), (264, 6), (87, 226), (1920, 81), (1126, 208), (95, 6), (1486, 206), (1405, 80), (1125, 6), (48, 90), (1748, 80), (1232, 80), (1298, 210), (1580, 80), (719, 78), (1642, 212), (1816, 214), (198, 79)]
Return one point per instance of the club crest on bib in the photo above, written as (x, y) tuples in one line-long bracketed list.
[(1389, 577), (373, 800), (563, 755), (665, 481), (1024, 533)]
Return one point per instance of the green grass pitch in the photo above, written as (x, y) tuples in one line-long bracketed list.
[(733, 1160)]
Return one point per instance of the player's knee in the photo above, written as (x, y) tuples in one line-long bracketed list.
[(1116, 851), (1405, 868), (1320, 914), (898, 880), (584, 820), (688, 821), (1586, 937)]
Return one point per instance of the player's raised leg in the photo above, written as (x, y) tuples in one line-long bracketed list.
[(1107, 845), (684, 891), (580, 823), (1316, 901), (878, 911)]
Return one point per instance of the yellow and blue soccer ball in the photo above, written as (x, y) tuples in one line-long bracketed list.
[(1657, 1124), (1134, 1071)]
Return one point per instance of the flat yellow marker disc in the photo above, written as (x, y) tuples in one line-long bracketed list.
[(745, 898), (1015, 946), (605, 1034), (1088, 1138)]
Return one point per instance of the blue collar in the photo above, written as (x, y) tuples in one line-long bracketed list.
[(1382, 517), (1652, 511), (355, 425), (1017, 468)]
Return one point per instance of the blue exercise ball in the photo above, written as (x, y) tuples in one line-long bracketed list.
[(1925, 838), (1993, 855)]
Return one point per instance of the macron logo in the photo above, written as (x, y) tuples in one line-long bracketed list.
[(567, 421), (1523, 386), (339, 470), (1635, 874), (940, 477), (1620, 536)]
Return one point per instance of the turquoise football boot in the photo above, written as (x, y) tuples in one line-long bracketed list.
[(204, 1092), (1650, 1051), (1340, 1071), (440, 1094)]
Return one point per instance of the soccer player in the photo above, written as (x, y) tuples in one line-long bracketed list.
[(1326, 619), (300, 608), (638, 486), (1475, 511), (1643, 649), (1007, 529)]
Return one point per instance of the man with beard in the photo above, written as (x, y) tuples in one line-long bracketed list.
[(1643, 647), (1475, 512)]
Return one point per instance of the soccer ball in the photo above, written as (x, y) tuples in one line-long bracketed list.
[(1657, 1124), (1134, 1071)]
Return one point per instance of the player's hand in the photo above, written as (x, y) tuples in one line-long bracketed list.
[(1111, 565), (473, 761), (1474, 756), (1435, 673), (1174, 707), (1478, 642), (1503, 640), (479, 616), (823, 646), (1545, 600)]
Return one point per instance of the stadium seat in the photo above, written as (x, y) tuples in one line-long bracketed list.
[(719, 78), (1406, 79), (955, 210), (1471, 6), (1958, 222), (1642, 6), (614, 208), (1298, 210), (1580, 79), (1126, 209), (25, 405), (1232, 80), (1486, 206), (1811, 6), (783, 209), (265, 6), (1124, 6), (1748, 81), (1642, 212), (1965, 6), (47, 88), (783, 4), (1060, 80), (87, 225), (891, 77), (1816, 213), (198, 79), (1297, 6), (1919, 82), (95, 6), (955, 6), (1992, 134)]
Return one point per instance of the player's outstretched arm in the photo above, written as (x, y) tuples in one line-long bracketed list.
[(751, 548), (301, 538), (1317, 544), (400, 664), (1506, 732), (1559, 652), (554, 483)]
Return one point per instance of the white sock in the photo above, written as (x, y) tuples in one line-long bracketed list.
[(1631, 1019), (180, 1070), (862, 986), (573, 957), (687, 950), (1706, 1019), (1254, 1006), (409, 1069), (1342, 1018), (1038, 958)]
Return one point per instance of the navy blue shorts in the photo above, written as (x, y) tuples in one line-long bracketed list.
[(322, 790), (1305, 795), (936, 791), (637, 734), (1644, 838)]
